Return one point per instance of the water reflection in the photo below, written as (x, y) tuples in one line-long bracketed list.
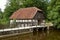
[(41, 35)]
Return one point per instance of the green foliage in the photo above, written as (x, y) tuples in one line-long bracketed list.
[(42, 4), (11, 7), (4, 21), (1, 14), (54, 12)]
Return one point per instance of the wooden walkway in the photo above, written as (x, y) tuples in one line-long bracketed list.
[(20, 28), (14, 29)]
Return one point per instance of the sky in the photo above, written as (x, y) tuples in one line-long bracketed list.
[(2, 4)]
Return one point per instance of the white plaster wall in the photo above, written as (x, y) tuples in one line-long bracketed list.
[(26, 20), (11, 21)]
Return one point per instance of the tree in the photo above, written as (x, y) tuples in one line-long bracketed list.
[(41, 4), (1, 14), (11, 7), (54, 13)]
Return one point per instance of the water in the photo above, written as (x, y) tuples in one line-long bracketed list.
[(41, 35)]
